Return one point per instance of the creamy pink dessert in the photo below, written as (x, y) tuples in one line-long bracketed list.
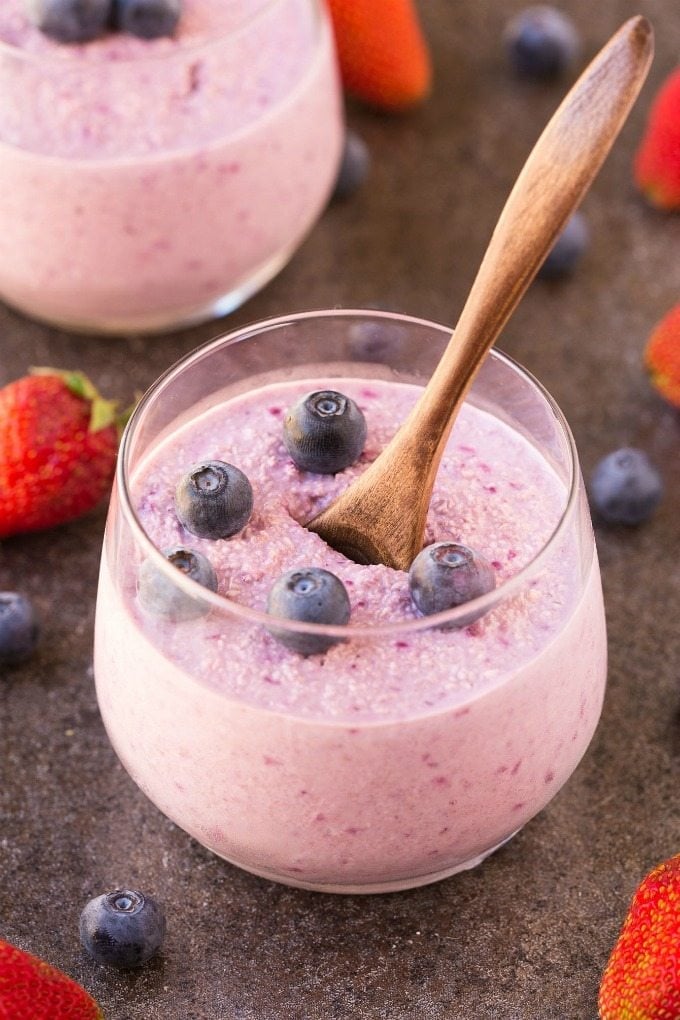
[(402, 754), (148, 183)]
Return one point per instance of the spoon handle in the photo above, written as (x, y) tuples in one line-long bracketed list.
[(554, 179)]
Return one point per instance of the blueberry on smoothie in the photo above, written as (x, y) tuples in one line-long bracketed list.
[(324, 432), (310, 595), (70, 21), (353, 169), (567, 249), (123, 928), (159, 596), (625, 487), (148, 19), (445, 575), (541, 42), (19, 629), (214, 500)]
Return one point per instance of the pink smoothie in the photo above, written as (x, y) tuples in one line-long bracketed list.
[(145, 184), (401, 755)]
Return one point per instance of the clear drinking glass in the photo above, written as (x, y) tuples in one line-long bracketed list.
[(411, 749), (145, 185)]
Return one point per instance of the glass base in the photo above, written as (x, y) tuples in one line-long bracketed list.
[(166, 321), (397, 885)]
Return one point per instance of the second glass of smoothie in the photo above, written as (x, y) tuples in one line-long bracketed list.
[(148, 184), (412, 746)]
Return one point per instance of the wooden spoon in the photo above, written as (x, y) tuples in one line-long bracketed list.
[(380, 518)]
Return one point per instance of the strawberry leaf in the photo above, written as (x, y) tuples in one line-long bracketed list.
[(103, 412)]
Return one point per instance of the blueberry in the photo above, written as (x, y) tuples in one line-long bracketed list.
[(625, 487), (158, 594), (542, 42), (149, 19), (214, 500), (123, 928), (311, 595), (324, 432), (70, 21), (376, 340), (567, 249), (446, 574), (354, 166), (19, 629)]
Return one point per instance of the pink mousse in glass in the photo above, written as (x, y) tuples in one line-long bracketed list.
[(414, 746), (147, 184)]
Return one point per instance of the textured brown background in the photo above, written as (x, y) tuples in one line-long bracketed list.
[(527, 935)]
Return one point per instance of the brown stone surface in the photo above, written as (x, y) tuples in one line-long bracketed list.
[(527, 934)]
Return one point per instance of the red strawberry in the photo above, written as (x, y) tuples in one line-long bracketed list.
[(58, 445), (662, 356), (657, 161), (642, 978), (31, 989), (384, 59)]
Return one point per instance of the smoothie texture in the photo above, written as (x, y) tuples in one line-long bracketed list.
[(147, 183), (409, 750)]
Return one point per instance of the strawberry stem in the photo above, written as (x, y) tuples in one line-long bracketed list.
[(103, 412)]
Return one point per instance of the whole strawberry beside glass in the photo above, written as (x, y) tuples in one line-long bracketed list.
[(58, 448), (656, 168), (32, 989), (642, 978)]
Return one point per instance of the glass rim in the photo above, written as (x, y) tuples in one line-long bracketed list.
[(451, 617), (63, 61)]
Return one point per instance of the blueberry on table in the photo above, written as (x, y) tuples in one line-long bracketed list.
[(625, 487), (214, 500), (567, 249), (354, 166), (161, 597), (70, 21), (446, 574), (309, 595), (19, 629), (123, 928), (324, 432), (542, 42), (148, 19)]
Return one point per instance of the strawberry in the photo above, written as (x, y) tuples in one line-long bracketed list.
[(58, 445), (657, 161), (31, 989), (642, 979), (662, 356), (383, 56)]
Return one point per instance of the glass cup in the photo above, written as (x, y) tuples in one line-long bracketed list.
[(146, 185), (411, 749)]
